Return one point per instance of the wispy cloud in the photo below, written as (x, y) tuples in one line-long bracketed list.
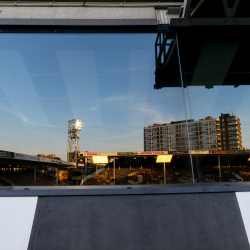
[(155, 114), (93, 108), (25, 119), (116, 98), (21, 116)]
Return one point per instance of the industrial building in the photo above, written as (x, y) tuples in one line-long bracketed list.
[(223, 133)]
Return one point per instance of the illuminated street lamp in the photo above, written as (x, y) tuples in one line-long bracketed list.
[(164, 159), (74, 127)]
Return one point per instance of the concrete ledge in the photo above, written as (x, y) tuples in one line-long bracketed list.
[(50, 16), (124, 190)]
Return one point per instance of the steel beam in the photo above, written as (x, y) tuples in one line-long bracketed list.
[(186, 22), (83, 22), (164, 16), (91, 4), (230, 12), (187, 10)]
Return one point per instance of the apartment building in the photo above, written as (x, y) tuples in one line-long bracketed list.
[(204, 134), (231, 138)]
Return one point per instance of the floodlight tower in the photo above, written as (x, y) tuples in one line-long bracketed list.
[(74, 127)]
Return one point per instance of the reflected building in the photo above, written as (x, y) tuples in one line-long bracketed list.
[(231, 137), (223, 133)]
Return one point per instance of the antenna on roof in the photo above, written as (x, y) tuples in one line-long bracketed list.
[(232, 113), (144, 125)]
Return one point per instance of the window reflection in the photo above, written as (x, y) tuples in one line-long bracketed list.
[(216, 81), (191, 96)]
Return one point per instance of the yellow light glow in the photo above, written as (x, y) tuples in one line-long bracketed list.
[(100, 159), (78, 125), (163, 158), (248, 159)]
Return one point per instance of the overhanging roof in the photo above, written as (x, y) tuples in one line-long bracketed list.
[(79, 13), (176, 13), (7, 157), (208, 60)]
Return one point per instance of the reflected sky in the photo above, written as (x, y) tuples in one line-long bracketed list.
[(105, 79)]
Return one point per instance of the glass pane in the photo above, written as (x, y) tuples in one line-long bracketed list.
[(216, 78), (108, 81)]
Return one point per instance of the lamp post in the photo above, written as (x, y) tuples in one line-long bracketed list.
[(74, 127), (164, 159)]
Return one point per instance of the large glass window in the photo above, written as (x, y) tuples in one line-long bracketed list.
[(140, 96), (105, 79), (216, 79)]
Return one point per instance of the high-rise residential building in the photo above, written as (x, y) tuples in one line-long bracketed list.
[(204, 134), (231, 138)]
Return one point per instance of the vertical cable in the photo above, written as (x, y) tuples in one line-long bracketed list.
[(188, 97), (189, 145)]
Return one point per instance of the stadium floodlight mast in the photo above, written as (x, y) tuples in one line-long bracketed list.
[(74, 127)]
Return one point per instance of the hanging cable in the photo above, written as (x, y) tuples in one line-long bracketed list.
[(189, 104), (184, 101)]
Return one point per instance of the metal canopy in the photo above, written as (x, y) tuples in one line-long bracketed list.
[(205, 61), (214, 45), (119, 16), (203, 26), (213, 12), (215, 8), (177, 13)]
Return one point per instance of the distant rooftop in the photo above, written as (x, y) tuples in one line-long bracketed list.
[(184, 121)]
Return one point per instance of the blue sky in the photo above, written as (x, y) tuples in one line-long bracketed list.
[(105, 79)]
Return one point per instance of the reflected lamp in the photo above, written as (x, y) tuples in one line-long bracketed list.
[(100, 159), (164, 158), (78, 125)]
